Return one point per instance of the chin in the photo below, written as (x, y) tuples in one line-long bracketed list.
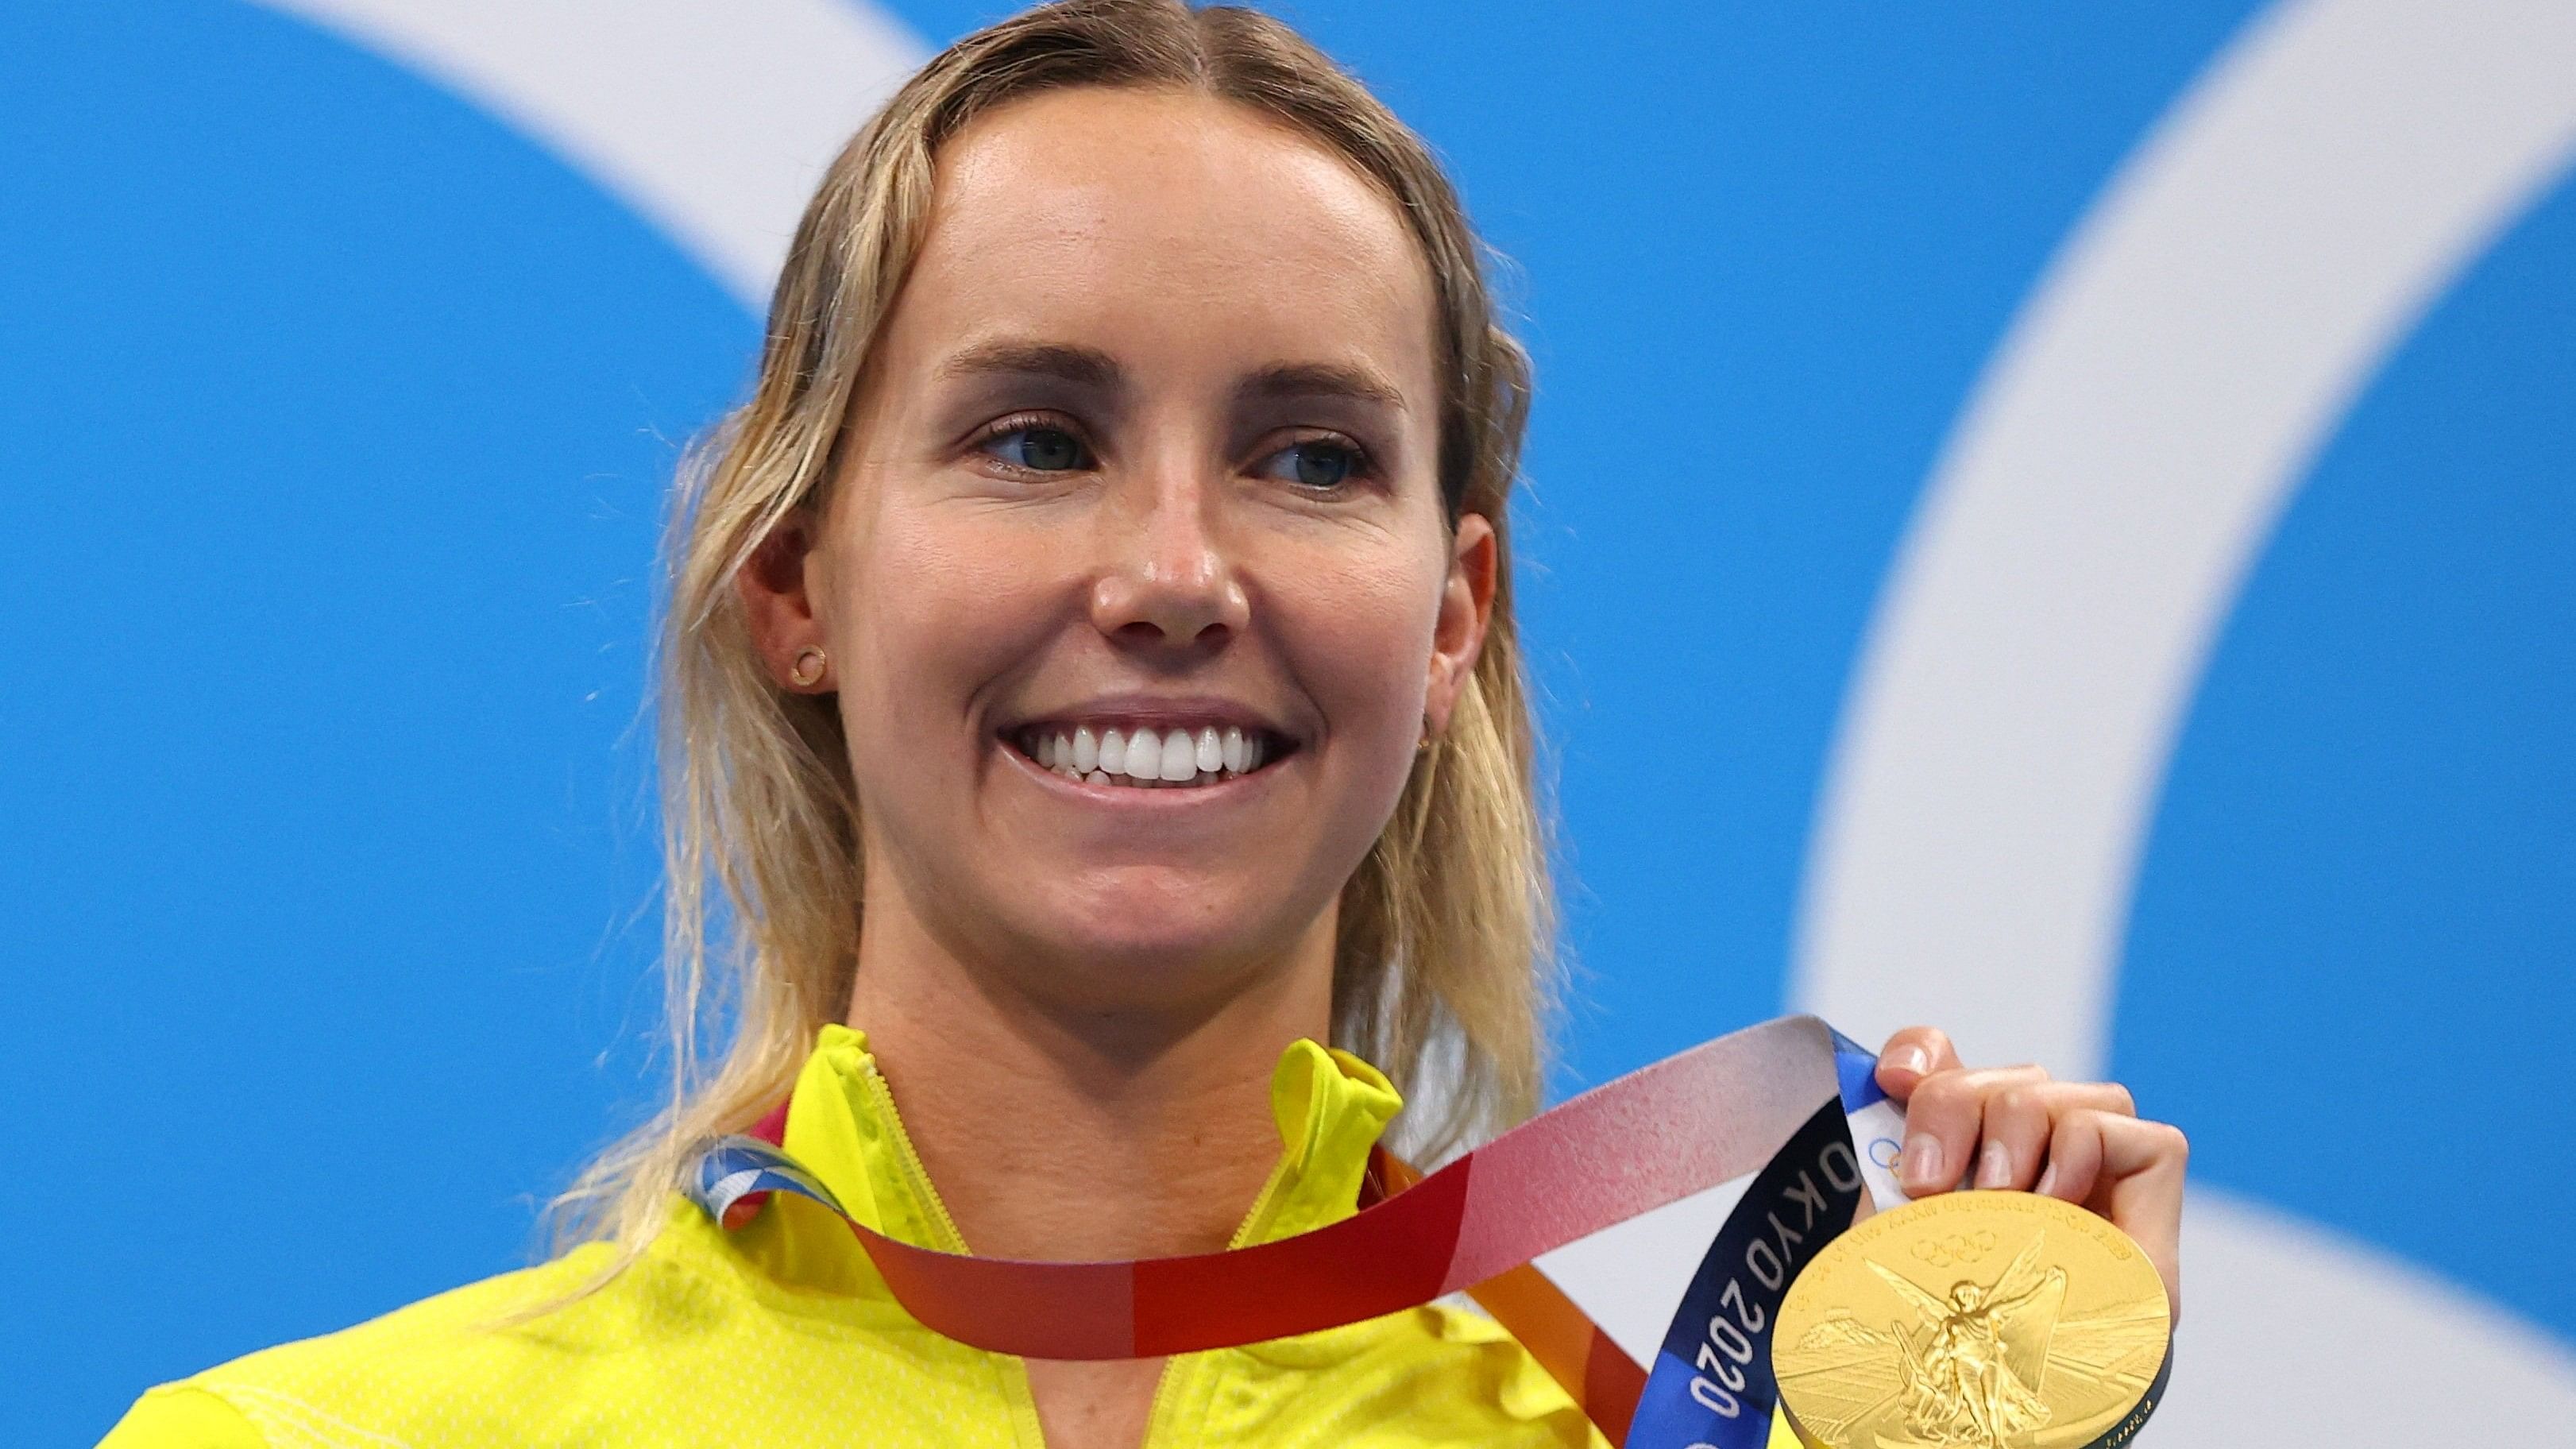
[(1150, 935)]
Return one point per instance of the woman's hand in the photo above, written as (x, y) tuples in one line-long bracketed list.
[(2013, 1127)]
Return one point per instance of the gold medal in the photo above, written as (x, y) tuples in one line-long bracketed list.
[(1974, 1320)]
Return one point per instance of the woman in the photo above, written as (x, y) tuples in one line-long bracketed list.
[(1091, 678)]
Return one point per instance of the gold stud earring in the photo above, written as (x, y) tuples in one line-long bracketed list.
[(808, 667), (1428, 738)]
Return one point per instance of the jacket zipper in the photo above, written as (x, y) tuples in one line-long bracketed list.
[(929, 1191), (883, 1095)]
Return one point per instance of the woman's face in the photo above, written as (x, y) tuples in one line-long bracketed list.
[(1135, 583)]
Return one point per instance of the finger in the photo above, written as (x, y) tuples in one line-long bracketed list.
[(2014, 1129), (1941, 1124), (2019, 1120), (2013, 1148), (1911, 1055), (2074, 1159), (2129, 1171), (2143, 1167), (2140, 1186)]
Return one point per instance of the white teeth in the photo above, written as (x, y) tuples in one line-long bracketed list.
[(1147, 758), (1180, 756)]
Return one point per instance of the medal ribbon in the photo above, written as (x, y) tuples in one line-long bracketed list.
[(1790, 1100)]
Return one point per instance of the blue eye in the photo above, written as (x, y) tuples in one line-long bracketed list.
[(1318, 464), (1040, 450)]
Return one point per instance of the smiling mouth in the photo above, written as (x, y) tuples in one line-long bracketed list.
[(1150, 758)]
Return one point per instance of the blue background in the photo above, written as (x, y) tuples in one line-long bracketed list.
[(337, 420)]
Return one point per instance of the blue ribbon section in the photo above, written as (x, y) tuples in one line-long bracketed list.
[(732, 1168), (1856, 1069), (1711, 1385)]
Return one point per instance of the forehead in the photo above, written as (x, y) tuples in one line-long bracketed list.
[(1154, 221)]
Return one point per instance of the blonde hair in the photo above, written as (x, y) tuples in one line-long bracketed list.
[(1443, 963)]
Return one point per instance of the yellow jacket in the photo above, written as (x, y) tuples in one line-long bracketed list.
[(783, 1333)]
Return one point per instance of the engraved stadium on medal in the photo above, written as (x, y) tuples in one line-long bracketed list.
[(1974, 1320)]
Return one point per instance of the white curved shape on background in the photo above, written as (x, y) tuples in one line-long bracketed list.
[(712, 120), (2293, 1335), (2118, 470), (2051, 613)]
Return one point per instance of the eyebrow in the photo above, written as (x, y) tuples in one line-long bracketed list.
[(1093, 368), (1088, 366), (1319, 379)]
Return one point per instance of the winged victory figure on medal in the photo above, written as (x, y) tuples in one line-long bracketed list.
[(1974, 1377)]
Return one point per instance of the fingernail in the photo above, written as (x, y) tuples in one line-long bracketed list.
[(1922, 1161), (1912, 1059), (1994, 1166), (2047, 1181)]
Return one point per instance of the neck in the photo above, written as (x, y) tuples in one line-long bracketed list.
[(1072, 1132)]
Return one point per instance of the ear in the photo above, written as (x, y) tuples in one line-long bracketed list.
[(778, 585), (1466, 606)]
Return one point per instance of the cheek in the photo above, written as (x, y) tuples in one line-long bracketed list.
[(1357, 629), (932, 612)]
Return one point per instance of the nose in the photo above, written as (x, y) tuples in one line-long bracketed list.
[(1168, 580)]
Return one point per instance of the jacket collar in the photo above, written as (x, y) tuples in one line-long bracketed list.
[(1330, 1107)]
